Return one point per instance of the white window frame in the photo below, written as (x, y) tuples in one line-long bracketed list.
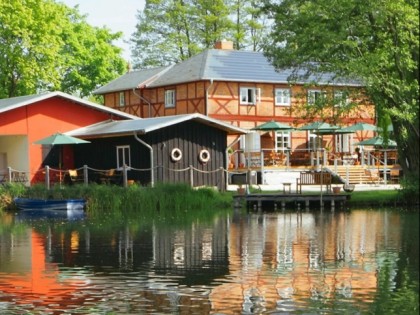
[(314, 141), (169, 98), (282, 141), (343, 143), (282, 97), (121, 99), (249, 95), (340, 99), (315, 95), (125, 156)]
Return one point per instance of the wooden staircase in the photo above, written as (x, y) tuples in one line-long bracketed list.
[(357, 174)]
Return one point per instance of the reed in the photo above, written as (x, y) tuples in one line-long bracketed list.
[(164, 201)]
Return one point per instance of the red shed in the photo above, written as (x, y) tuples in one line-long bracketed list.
[(26, 119)]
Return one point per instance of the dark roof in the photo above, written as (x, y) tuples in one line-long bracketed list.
[(217, 65), (8, 104), (131, 80), (146, 125)]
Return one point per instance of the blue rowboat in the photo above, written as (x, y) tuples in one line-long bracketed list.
[(49, 204), (67, 208)]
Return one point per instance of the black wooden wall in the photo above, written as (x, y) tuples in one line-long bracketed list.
[(190, 137)]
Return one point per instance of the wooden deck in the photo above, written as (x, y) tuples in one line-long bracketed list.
[(272, 201)]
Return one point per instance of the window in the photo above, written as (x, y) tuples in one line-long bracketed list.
[(316, 97), (340, 98), (342, 143), (123, 156), (314, 141), (250, 96), (282, 140), (169, 98), (282, 97), (122, 99)]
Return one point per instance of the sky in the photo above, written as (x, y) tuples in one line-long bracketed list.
[(118, 16)]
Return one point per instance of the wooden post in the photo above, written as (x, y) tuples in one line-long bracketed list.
[(85, 174), (47, 177), (9, 174), (191, 176), (125, 176), (222, 180), (385, 167)]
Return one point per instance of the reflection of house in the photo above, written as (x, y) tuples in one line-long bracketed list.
[(239, 87), (292, 259), (186, 251), (29, 279), (180, 148), (26, 119)]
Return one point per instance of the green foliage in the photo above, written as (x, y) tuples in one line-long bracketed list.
[(165, 202), (168, 32), (8, 192), (375, 198), (376, 42), (47, 46)]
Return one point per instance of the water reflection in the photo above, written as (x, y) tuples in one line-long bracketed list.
[(235, 264)]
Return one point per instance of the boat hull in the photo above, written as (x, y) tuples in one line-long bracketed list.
[(49, 204), (69, 208)]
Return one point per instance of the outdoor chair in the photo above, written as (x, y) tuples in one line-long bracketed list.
[(394, 175), (110, 177), (373, 176), (72, 177)]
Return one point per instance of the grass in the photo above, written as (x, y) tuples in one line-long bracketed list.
[(164, 202), (375, 197)]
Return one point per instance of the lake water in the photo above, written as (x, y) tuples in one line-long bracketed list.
[(353, 262)]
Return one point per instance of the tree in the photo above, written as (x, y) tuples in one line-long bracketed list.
[(250, 24), (376, 42), (45, 45), (170, 31), (90, 59)]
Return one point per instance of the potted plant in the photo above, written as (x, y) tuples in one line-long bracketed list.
[(336, 189), (241, 190)]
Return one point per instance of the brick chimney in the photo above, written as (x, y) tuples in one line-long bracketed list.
[(224, 44)]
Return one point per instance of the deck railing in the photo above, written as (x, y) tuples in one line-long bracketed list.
[(247, 164)]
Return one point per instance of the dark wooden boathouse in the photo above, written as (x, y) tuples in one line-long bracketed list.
[(172, 149)]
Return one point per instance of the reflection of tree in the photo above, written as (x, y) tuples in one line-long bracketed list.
[(398, 288)]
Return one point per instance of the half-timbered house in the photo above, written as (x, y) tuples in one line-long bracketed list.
[(243, 89)]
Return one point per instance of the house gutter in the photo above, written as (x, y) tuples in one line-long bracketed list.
[(143, 99), (207, 97), (152, 173), (227, 158)]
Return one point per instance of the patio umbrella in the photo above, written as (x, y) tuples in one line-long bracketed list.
[(377, 142), (360, 127), (319, 127), (273, 126), (60, 139)]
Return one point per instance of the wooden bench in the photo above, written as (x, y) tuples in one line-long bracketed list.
[(313, 178)]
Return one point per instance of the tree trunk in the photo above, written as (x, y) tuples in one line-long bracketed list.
[(408, 148)]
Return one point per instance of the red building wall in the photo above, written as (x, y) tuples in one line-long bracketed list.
[(44, 118)]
